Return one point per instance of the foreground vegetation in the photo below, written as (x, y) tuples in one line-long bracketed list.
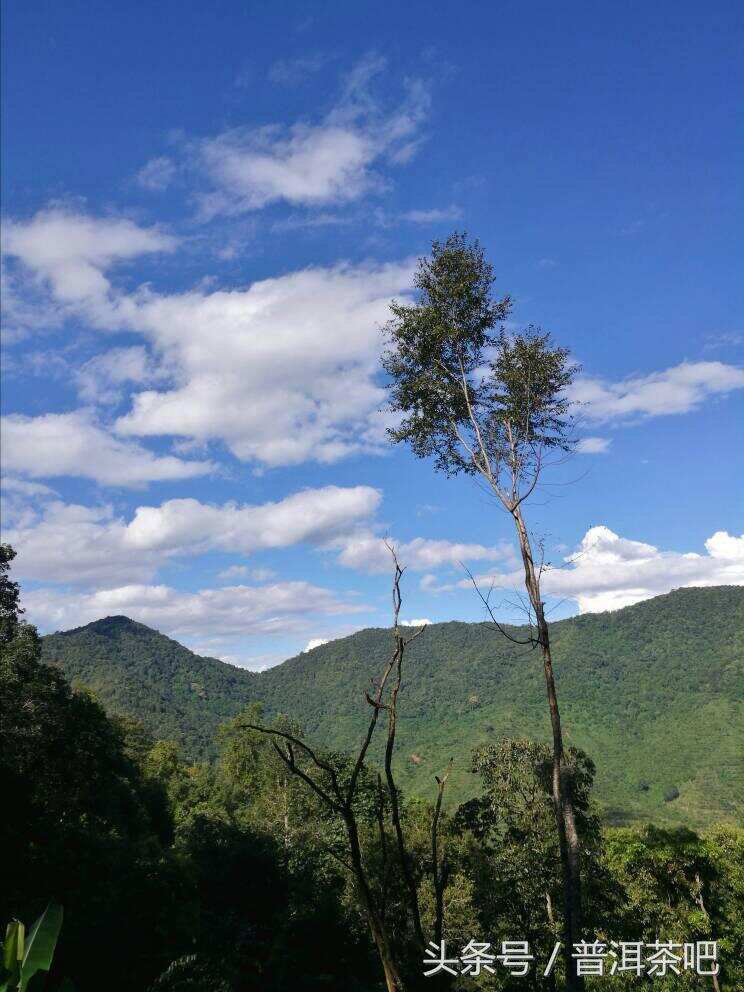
[(232, 877)]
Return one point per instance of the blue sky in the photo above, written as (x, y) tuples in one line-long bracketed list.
[(206, 211)]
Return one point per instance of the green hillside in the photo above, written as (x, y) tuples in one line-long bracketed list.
[(652, 692), (137, 671)]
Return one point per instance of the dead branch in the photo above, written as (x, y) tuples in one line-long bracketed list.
[(531, 642)]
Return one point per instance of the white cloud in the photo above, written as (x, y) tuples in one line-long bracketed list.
[(293, 378), (82, 545), (76, 544), (593, 445), (100, 380), (419, 622), (25, 488), (234, 611), (243, 571), (726, 547), (73, 444), (311, 516), (432, 216), (313, 335), (27, 307), (313, 164), (298, 222), (157, 174), (608, 572), (71, 250), (368, 553), (675, 390), (307, 165)]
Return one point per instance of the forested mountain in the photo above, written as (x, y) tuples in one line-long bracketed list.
[(653, 693)]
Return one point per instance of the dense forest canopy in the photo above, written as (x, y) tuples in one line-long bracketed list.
[(653, 693)]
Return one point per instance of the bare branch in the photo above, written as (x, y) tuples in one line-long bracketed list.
[(289, 761), (484, 599)]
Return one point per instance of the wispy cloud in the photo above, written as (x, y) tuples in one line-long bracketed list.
[(328, 162), (157, 174), (367, 552), (293, 72), (675, 390), (726, 339), (432, 216)]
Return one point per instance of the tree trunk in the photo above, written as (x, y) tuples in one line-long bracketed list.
[(701, 903), (568, 838), (393, 980)]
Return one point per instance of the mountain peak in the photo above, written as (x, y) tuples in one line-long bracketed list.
[(113, 627)]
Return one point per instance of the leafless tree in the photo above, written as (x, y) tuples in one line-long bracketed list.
[(339, 794)]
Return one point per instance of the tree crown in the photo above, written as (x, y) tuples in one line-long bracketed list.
[(476, 398)]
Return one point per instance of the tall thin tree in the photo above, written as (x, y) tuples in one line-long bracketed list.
[(492, 405)]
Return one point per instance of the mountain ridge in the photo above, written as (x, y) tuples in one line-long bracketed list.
[(653, 692)]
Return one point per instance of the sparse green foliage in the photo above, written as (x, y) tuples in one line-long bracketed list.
[(476, 399)]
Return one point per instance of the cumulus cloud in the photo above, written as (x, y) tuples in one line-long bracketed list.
[(675, 390), (83, 545), (608, 571), (70, 250), (313, 164), (313, 516), (420, 622), (314, 335), (367, 552), (101, 378), (73, 444), (234, 611)]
